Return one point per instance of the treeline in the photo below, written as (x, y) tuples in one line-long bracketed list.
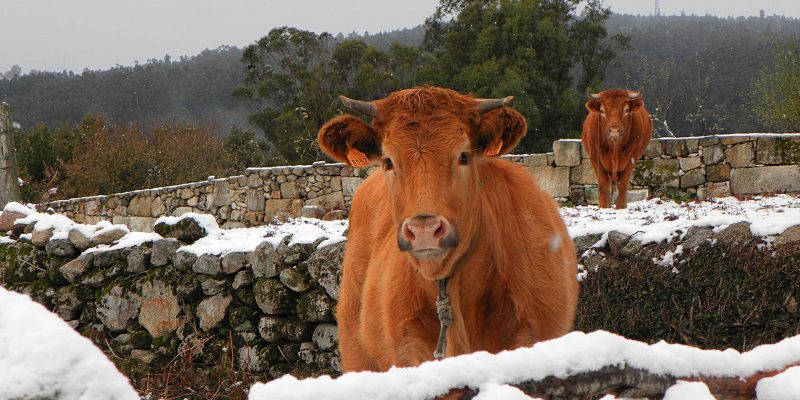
[(705, 74)]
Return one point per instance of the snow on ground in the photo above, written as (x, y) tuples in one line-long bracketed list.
[(655, 220), (41, 357), (785, 386), (571, 354)]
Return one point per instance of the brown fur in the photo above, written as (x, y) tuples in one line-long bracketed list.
[(614, 163), (512, 274)]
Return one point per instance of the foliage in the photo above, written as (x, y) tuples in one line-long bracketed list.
[(776, 93), (294, 77), (527, 49)]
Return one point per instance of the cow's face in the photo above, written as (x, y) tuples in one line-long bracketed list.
[(615, 108), (429, 143)]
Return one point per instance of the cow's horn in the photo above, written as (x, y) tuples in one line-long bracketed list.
[(635, 95), (364, 107), (490, 104), (593, 96)]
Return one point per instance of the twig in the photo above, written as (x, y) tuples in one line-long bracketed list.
[(111, 349)]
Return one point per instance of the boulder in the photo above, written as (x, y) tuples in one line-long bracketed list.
[(75, 269), (159, 308), (211, 311), (109, 235), (163, 251), (118, 308), (324, 266), (61, 248), (81, 236), (273, 298), (186, 229)]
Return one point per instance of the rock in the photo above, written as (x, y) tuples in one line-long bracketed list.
[(632, 248), (234, 261), (118, 308), (186, 230), (110, 234), (140, 206), (100, 278), (270, 328), (583, 174), (295, 278), (242, 279), (144, 356), (81, 236), (248, 359), (690, 163), (331, 201), (697, 236), (617, 240), (211, 311), (189, 289), (266, 262), (740, 155), (61, 248), (296, 330), (40, 238), (335, 215), (650, 173), (712, 155), (213, 286), (714, 189), (138, 260), (296, 253), (68, 303), (735, 234), (7, 219), (107, 258), (163, 251), (778, 150), (790, 235), (312, 212), (675, 148), (273, 298), (315, 306), (567, 153), (254, 200), (184, 260), (349, 185), (289, 191), (654, 149), (159, 308), (718, 173), (693, 178), (777, 179), (324, 266), (326, 336), (18, 229), (552, 180), (207, 264), (585, 242), (75, 269)]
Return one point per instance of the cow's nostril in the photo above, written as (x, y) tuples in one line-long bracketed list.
[(408, 233), (440, 231)]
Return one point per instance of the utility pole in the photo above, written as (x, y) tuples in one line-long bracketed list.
[(9, 176), (658, 9)]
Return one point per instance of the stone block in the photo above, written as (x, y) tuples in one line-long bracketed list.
[(282, 209), (657, 173), (693, 178), (567, 153), (713, 155), (553, 180), (289, 191), (778, 150), (534, 160), (718, 173), (140, 206), (211, 311), (715, 190), (690, 163), (255, 199), (693, 145), (220, 196), (740, 155), (707, 141), (583, 174), (729, 140), (675, 148), (350, 184), (654, 149), (773, 179), (328, 202), (159, 308)]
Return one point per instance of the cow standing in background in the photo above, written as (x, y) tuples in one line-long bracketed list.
[(444, 207), (615, 134)]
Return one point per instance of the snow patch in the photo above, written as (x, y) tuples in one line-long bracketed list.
[(13, 206), (784, 386), (684, 390)]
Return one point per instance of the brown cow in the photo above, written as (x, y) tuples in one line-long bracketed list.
[(442, 205), (615, 134)]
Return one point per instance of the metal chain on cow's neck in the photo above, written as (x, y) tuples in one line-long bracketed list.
[(445, 313)]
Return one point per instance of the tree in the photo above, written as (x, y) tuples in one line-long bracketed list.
[(524, 48), (776, 93)]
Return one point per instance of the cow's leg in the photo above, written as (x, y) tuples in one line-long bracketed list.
[(603, 185), (622, 186)]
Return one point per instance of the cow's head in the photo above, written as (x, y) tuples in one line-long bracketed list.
[(430, 143), (615, 108)]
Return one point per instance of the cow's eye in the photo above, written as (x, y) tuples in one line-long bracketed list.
[(463, 159), (388, 164)]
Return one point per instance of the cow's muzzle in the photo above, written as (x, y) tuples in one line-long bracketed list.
[(614, 134), (426, 236)]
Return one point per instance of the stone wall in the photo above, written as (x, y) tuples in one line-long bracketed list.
[(679, 168), (269, 311)]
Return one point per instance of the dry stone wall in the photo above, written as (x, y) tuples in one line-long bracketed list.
[(271, 310), (679, 168)]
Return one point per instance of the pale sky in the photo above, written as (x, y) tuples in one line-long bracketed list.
[(53, 35)]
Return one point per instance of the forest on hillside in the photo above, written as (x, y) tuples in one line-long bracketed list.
[(262, 105)]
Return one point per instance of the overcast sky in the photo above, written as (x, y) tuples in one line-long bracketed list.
[(54, 35)]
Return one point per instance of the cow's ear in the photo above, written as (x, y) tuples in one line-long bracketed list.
[(593, 105), (499, 131), (636, 104), (349, 140)]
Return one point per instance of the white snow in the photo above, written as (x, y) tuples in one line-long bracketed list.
[(784, 386), (659, 220), (573, 353), (18, 208), (57, 222), (132, 239), (684, 390), (42, 357)]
